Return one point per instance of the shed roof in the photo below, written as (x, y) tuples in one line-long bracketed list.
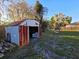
[(16, 23), (28, 22), (75, 23)]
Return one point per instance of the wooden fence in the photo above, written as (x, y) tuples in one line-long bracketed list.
[(70, 29)]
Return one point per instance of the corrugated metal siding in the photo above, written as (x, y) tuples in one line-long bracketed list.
[(30, 23), (14, 31)]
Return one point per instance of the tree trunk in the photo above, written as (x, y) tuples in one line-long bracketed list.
[(40, 25)]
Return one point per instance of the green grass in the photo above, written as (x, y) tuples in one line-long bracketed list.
[(67, 41), (69, 37), (67, 45)]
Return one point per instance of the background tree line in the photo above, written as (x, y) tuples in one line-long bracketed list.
[(59, 20), (20, 9)]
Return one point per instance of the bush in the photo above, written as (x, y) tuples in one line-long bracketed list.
[(2, 33), (44, 25)]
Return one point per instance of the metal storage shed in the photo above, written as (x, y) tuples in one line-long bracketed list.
[(20, 32)]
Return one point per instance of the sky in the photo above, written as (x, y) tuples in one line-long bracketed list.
[(68, 7)]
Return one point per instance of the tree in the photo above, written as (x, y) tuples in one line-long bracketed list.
[(18, 11), (59, 21), (39, 12), (53, 22), (69, 19), (45, 25), (1, 8)]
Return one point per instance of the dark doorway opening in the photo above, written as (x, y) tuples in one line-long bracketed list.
[(8, 37), (32, 30)]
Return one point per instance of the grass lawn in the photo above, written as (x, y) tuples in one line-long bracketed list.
[(52, 46), (65, 43)]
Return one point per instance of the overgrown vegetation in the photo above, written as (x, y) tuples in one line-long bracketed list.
[(51, 45), (2, 33), (63, 44), (59, 20)]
